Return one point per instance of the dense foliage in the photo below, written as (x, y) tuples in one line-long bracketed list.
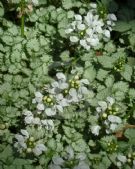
[(67, 76)]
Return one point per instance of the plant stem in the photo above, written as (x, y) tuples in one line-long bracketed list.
[(22, 17)]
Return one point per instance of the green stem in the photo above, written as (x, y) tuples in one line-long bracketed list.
[(22, 17), (22, 26), (73, 63)]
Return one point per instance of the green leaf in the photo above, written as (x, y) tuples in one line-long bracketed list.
[(110, 47), (79, 146), (33, 45), (16, 56), (42, 2), (51, 144), (101, 95), (67, 4), (127, 74), (106, 61), (120, 86), (13, 30), (1, 10), (130, 134), (122, 26), (33, 17), (90, 73), (109, 81), (132, 41), (21, 162), (106, 162), (131, 93), (132, 23), (102, 74), (70, 14), (6, 153), (2, 49), (131, 61), (50, 30), (119, 95), (7, 40)]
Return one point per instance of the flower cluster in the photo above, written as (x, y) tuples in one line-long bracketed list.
[(131, 159), (78, 160), (119, 64), (27, 144), (106, 113), (91, 29), (123, 159), (61, 93), (37, 119)]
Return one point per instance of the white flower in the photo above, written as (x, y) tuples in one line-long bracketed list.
[(25, 133), (61, 100), (27, 113), (73, 95), (69, 30), (28, 119), (35, 2), (39, 149), (58, 160), (40, 106), (82, 165), (114, 119), (83, 91), (23, 141), (110, 100), (93, 5), (90, 33), (61, 76), (103, 106), (99, 29), (122, 158), (38, 97), (78, 17), (91, 27), (58, 85), (94, 42), (48, 123), (84, 44), (95, 129), (36, 121), (74, 39), (50, 111), (112, 17), (19, 137), (113, 126), (107, 33), (81, 27)]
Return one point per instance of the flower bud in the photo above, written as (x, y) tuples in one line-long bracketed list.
[(129, 160), (76, 77), (48, 100), (2, 126), (31, 139), (29, 150), (104, 115)]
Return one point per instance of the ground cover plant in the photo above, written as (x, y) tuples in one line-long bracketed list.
[(67, 84)]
